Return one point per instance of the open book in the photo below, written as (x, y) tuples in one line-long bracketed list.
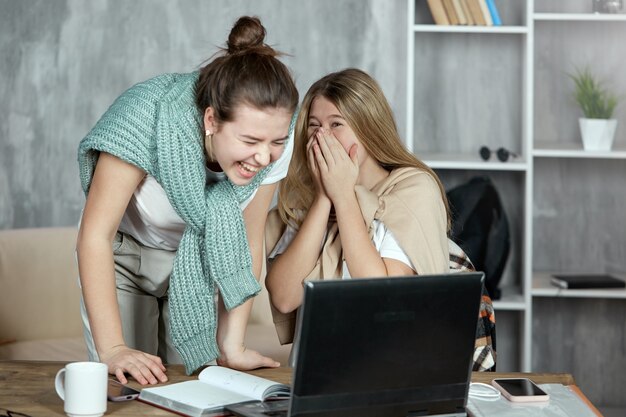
[(215, 387)]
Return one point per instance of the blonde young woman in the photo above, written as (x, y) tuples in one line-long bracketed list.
[(356, 203)]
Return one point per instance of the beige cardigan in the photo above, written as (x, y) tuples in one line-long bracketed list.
[(409, 203)]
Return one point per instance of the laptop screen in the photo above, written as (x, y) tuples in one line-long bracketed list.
[(386, 346)]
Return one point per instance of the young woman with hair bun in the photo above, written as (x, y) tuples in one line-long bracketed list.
[(179, 174)]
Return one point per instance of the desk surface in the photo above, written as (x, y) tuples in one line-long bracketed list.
[(28, 387)]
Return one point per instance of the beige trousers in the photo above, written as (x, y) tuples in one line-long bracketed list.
[(142, 277)]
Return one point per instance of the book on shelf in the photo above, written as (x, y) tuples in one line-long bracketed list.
[(438, 11), (586, 281), (476, 12), (484, 9), (467, 12), (493, 11), (449, 7), (460, 13), (215, 388)]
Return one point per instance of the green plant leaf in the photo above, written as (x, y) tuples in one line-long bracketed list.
[(594, 100)]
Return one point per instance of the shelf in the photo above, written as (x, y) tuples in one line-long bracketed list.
[(521, 61), (588, 17), (470, 29), (465, 161), (511, 300), (575, 150), (543, 288)]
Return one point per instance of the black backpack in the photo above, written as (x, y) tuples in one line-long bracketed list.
[(480, 227)]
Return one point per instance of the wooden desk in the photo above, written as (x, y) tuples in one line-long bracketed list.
[(28, 387)]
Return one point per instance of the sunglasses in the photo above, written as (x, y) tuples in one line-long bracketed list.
[(502, 154)]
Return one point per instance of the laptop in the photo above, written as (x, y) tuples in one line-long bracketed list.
[(392, 347)]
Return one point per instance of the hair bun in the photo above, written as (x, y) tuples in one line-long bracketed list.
[(247, 34)]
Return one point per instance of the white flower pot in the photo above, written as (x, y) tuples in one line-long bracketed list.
[(597, 134)]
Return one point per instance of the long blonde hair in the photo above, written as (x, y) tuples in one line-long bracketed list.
[(363, 105)]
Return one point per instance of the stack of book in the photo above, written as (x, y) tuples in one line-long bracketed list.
[(465, 12)]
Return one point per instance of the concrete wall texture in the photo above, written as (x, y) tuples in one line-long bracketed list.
[(65, 61)]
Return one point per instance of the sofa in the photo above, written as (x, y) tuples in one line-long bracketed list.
[(40, 300)]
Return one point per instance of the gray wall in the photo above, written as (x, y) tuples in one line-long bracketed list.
[(64, 62)]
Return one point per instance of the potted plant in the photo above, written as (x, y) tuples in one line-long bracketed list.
[(597, 128)]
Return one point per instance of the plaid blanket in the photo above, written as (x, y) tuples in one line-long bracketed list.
[(485, 347)]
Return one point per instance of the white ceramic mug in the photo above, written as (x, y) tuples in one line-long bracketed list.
[(83, 388)]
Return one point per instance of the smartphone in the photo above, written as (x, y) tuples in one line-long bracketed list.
[(520, 390), (120, 392)]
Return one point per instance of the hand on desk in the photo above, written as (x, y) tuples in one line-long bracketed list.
[(145, 368)]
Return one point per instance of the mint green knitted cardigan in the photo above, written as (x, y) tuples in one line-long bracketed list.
[(156, 126)]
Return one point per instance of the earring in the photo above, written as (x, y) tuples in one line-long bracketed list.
[(208, 144)]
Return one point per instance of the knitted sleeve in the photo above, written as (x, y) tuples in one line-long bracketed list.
[(126, 130)]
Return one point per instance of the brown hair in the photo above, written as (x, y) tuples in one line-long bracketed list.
[(247, 71), (363, 105)]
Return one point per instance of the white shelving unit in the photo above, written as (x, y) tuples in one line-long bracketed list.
[(508, 86), (456, 163), (579, 198), (562, 149), (431, 110)]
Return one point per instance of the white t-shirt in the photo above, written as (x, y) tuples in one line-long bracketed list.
[(383, 240), (151, 219)]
